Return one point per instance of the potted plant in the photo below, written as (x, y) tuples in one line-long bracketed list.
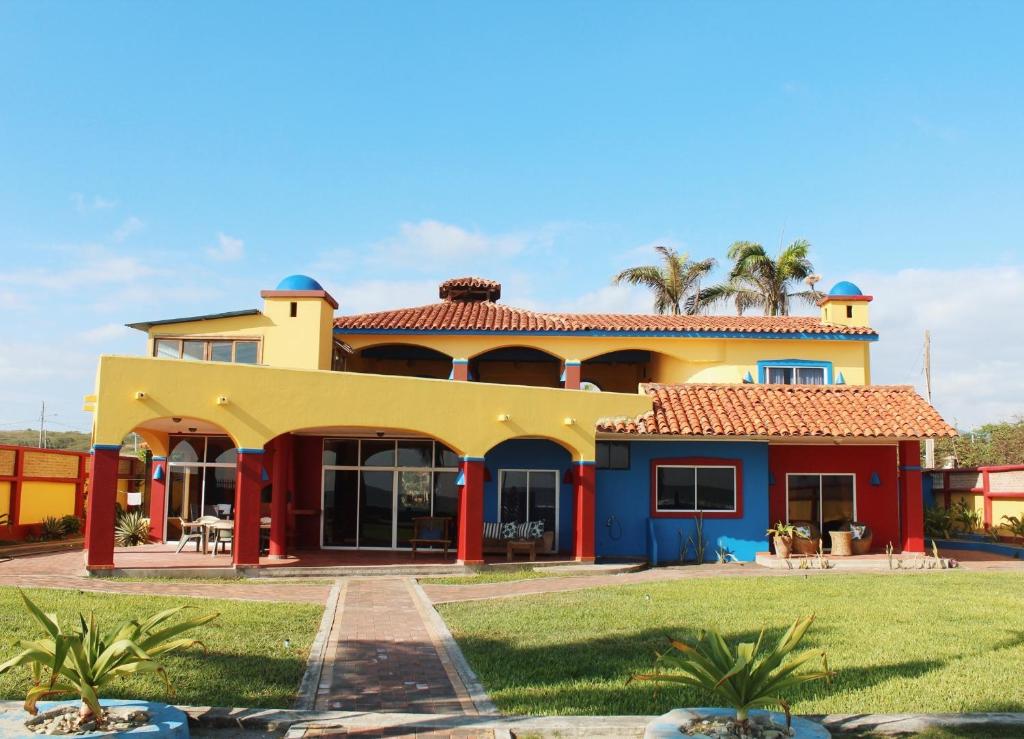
[(746, 678), (81, 660), (782, 537)]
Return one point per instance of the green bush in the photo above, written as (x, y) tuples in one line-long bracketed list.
[(965, 516), (131, 530), (72, 525), (52, 529), (938, 522)]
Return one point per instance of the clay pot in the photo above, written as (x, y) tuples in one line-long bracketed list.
[(783, 546)]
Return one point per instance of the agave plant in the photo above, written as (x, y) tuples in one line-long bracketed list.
[(51, 529), (83, 660), (131, 530), (1016, 525), (743, 677), (71, 524)]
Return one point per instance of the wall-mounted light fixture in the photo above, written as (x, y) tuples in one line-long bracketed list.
[(139, 395), (875, 479), (158, 472), (222, 400), (569, 421), (504, 417)]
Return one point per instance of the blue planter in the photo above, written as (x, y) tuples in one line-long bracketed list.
[(164, 720), (667, 726)]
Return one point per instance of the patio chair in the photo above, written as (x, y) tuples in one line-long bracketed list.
[(194, 531), (430, 531), (222, 534)]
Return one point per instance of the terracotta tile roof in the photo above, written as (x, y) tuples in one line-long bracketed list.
[(457, 286), (455, 315), (873, 411)]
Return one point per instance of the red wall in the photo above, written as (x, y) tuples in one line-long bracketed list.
[(876, 506), (307, 464)]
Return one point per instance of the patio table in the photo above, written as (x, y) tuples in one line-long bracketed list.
[(226, 525)]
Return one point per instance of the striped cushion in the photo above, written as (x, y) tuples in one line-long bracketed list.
[(492, 530)]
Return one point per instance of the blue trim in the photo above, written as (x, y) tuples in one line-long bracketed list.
[(159, 459), (585, 463), (1007, 550), (460, 361), (650, 334), (765, 363), (249, 451), (472, 459), (572, 363), (912, 468), (106, 447)]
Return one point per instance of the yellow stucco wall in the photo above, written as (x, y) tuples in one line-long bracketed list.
[(42, 499), (834, 311), (1000, 508), (675, 360), (5, 498), (263, 402)]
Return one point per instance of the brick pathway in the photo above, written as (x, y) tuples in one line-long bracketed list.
[(383, 655)]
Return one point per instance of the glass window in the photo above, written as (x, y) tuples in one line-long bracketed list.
[(193, 349), (220, 351), (795, 375), (415, 453), (692, 489), (219, 490), (246, 351), (445, 457), (514, 486), (376, 506), (168, 348), (220, 449), (612, 455), (446, 500), (184, 451), (341, 507), (543, 498), (378, 453), (414, 493), (341, 452)]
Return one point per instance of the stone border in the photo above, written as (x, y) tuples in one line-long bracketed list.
[(310, 684), (450, 654)]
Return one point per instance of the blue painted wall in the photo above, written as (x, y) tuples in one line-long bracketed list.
[(624, 500), (928, 490), (532, 454)]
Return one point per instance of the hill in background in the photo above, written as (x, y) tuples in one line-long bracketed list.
[(72, 440)]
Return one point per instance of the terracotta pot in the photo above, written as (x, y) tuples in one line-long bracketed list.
[(783, 546)]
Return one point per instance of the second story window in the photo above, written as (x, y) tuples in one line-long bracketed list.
[(211, 350), (795, 375)]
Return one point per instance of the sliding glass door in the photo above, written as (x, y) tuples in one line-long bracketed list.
[(529, 495), (828, 501), (374, 489), (201, 474)]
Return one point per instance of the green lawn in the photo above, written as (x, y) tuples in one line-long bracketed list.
[(247, 663), (937, 642)]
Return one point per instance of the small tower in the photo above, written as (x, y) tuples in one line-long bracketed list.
[(845, 305), (302, 316)]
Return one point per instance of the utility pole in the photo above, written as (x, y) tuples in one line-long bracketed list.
[(42, 423), (929, 444)]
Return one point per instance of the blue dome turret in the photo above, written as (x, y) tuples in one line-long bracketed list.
[(845, 289), (299, 282)]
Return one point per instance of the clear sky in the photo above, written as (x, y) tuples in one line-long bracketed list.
[(166, 159)]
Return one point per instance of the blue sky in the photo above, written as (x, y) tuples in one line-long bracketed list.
[(162, 159)]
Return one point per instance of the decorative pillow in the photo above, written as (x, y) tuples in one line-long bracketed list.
[(858, 531), (492, 530), (431, 532), (523, 530), (803, 532), (508, 530), (536, 530)]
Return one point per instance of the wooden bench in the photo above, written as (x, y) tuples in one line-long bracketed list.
[(529, 546), (430, 531)]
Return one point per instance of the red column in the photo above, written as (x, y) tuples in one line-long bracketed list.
[(571, 376), (460, 369), (99, 521), (245, 549), (279, 497), (158, 498), (471, 512), (583, 480), (913, 499)]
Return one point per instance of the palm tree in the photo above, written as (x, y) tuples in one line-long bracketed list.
[(756, 280), (675, 282)]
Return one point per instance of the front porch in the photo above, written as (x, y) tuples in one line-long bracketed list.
[(163, 560)]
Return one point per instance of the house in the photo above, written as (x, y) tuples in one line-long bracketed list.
[(618, 432)]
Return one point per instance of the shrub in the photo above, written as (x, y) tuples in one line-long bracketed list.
[(83, 660), (965, 516), (938, 522), (52, 529), (743, 677), (72, 525), (1016, 525), (131, 530)]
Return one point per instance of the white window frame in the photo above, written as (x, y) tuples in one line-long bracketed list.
[(796, 368), (695, 467), (558, 493), (192, 468)]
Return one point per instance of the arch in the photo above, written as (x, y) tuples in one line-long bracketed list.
[(160, 428), (517, 364), (622, 370), (406, 359)]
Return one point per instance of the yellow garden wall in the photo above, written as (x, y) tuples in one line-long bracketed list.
[(5, 498), (42, 499)]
